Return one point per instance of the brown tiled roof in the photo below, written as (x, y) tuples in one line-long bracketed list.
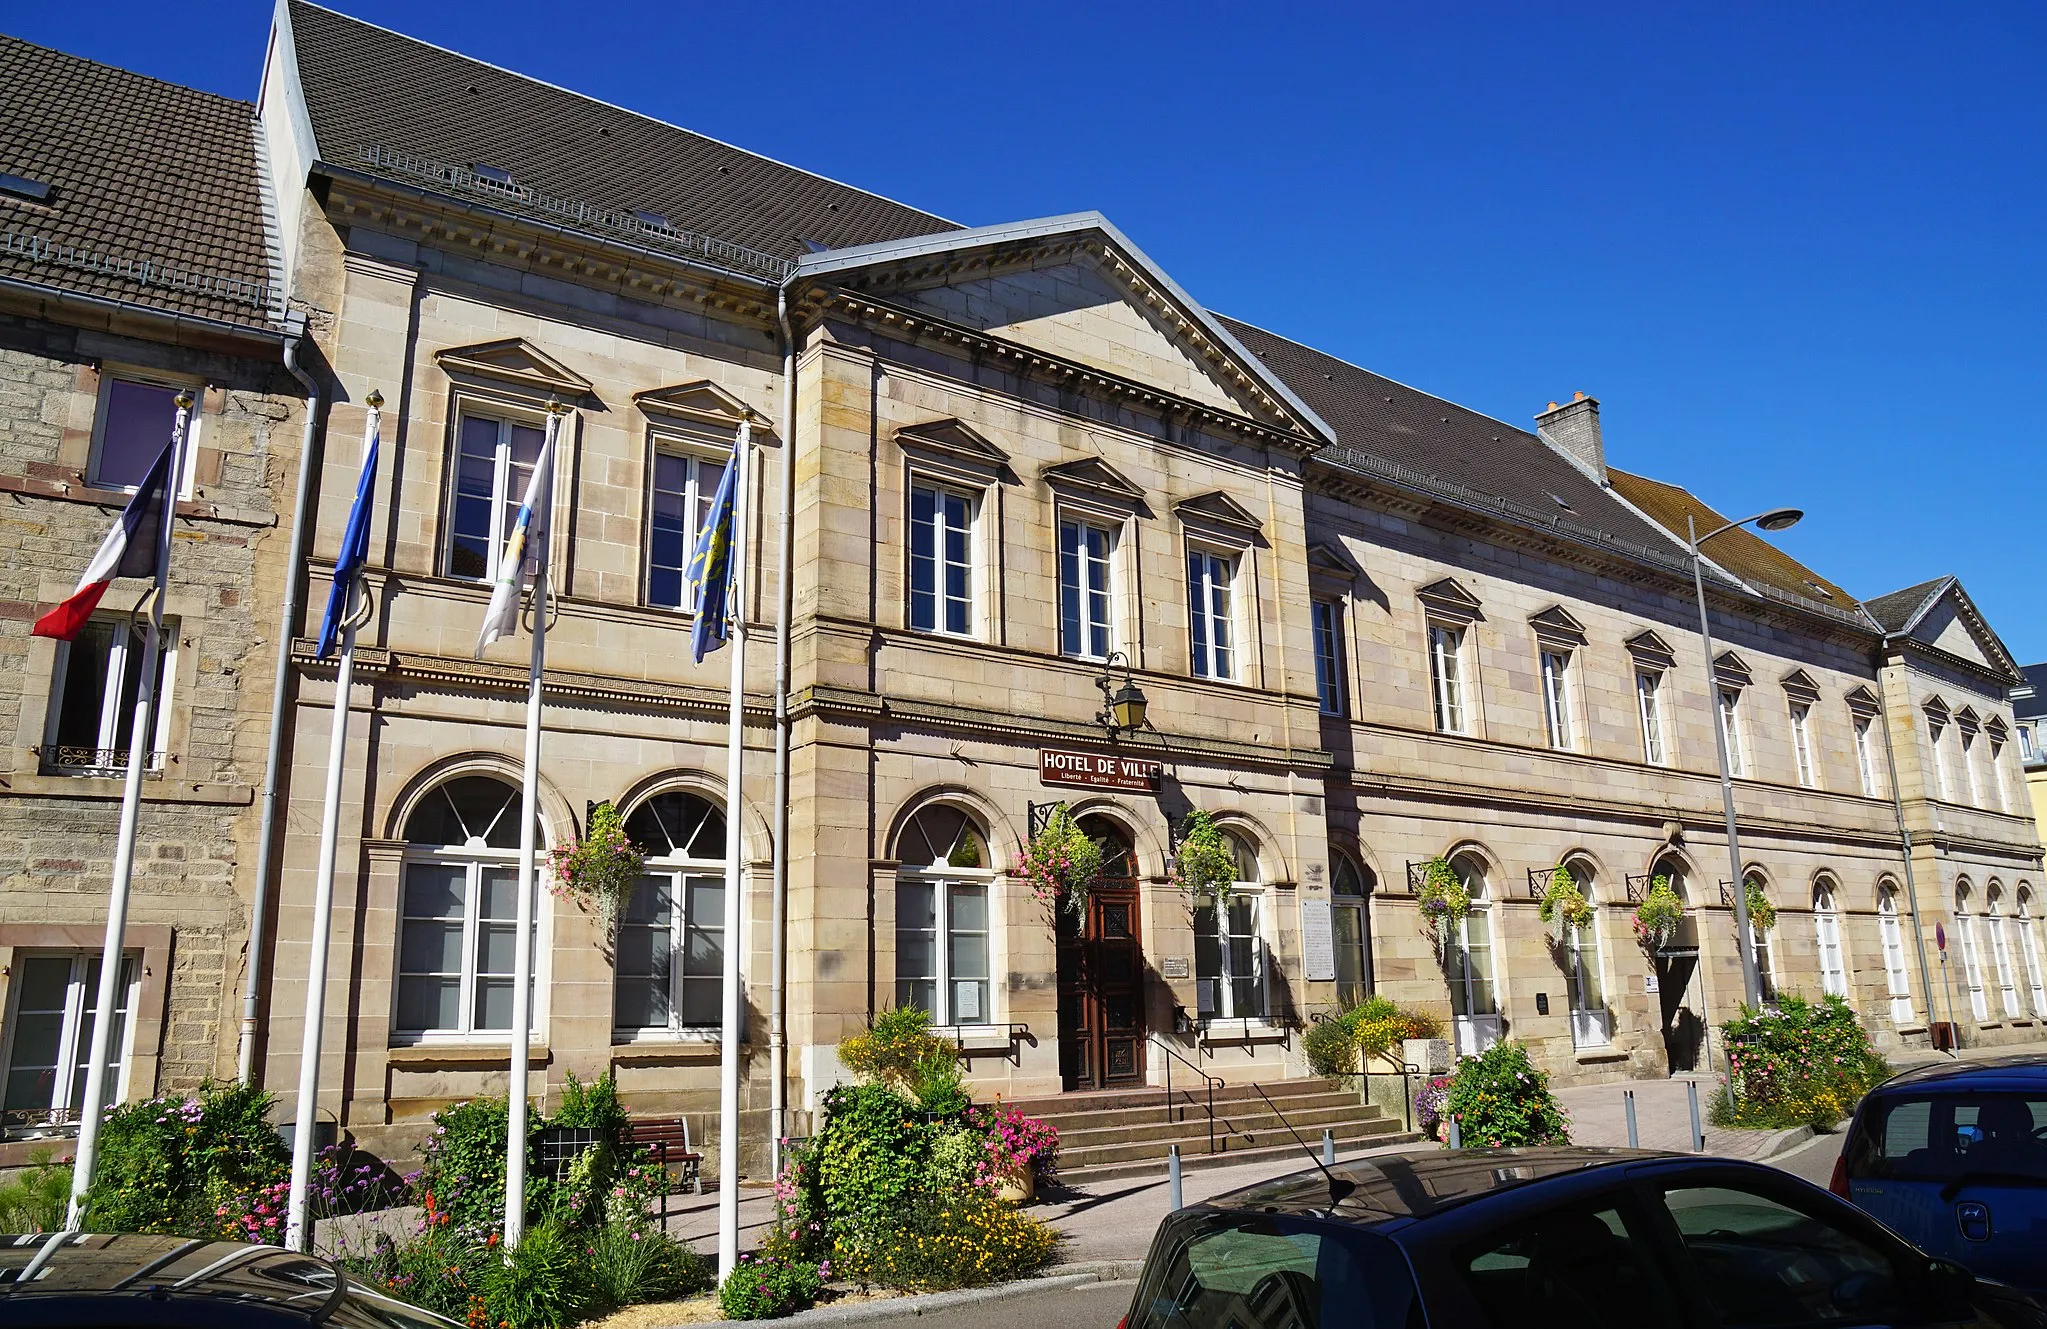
[(366, 87), (153, 195), (1741, 551), (1897, 610), (1379, 418)]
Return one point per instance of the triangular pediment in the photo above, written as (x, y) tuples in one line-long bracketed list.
[(1332, 560), (1650, 648), (1731, 669), (1967, 720), (1799, 684), (1948, 622), (1216, 508), (1863, 702), (514, 360), (1449, 597), (702, 402), (1095, 478), (954, 439), (1557, 623)]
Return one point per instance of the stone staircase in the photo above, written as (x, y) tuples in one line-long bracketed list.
[(1126, 1132)]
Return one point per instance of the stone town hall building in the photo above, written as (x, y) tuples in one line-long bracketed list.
[(1374, 628)]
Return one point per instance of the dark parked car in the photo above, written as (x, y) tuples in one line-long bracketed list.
[(1954, 1158), (1534, 1238), (110, 1281)]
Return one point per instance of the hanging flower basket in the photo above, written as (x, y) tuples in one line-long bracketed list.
[(1659, 916), (1563, 906), (1442, 901), (1762, 915), (1060, 864), (1204, 866), (599, 871)]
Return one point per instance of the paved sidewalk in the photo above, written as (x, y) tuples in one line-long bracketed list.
[(1663, 1118)]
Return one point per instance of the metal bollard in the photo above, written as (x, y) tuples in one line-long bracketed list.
[(1456, 1135), (1173, 1179), (1698, 1133), (1634, 1136), (1328, 1147)]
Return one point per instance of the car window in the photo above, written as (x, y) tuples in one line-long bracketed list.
[(1258, 1271), (1758, 1262), (1938, 1137), (1566, 1267)]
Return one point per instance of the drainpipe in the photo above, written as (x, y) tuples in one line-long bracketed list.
[(1911, 886), (778, 1038), (259, 913)]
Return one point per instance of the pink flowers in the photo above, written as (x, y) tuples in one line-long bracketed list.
[(1017, 1145)]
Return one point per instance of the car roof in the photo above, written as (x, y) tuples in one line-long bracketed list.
[(1418, 1183), (2026, 1070), (145, 1265)]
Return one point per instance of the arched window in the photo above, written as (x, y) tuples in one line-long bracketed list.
[(459, 910), (1591, 1023), (1972, 963), (942, 916), (2000, 950), (1765, 953), (1229, 953), (1826, 927), (2029, 946), (671, 939), (1895, 973), (1350, 898), (1474, 1000)]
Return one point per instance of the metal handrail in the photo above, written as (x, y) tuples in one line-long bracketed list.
[(1210, 1081)]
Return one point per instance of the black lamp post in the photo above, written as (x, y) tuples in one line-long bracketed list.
[(1122, 707)]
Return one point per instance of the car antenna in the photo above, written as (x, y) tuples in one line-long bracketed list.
[(1339, 1188)]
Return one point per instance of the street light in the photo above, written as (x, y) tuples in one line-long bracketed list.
[(1122, 708), (1776, 519)]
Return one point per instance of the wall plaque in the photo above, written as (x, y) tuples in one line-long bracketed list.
[(1173, 966), (1094, 770), (1318, 941)]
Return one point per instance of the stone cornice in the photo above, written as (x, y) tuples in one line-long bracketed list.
[(1901, 649)]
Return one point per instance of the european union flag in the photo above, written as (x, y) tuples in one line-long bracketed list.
[(711, 567), (355, 549)]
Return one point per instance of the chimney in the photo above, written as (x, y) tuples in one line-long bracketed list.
[(1573, 429)]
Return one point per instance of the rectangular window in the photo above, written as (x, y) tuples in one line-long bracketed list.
[(1084, 595), (92, 700), (1974, 795), (1649, 696), (1801, 743), (135, 424), (1229, 967), (1865, 753), (941, 560), (942, 948), (1730, 729), (458, 930), (1446, 676), (1936, 734), (1556, 697), (671, 954), (1329, 688), (1591, 1024), (494, 462), (683, 486), (49, 1038), (1209, 583), (1997, 773), (2026, 749)]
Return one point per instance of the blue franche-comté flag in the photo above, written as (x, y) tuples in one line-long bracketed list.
[(711, 568), (355, 548)]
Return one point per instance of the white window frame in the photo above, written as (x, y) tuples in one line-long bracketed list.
[(80, 998), (941, 561), (1649, 705), (2026, 748), (1450, 697), (2029, 947), (1325, 617), (2000, 952), (1826, 927), (702, 457), (1997, 786), (194, 425), (1727, 714), (1086, 590), (1972, 962), (1801, 743), (673, 870), (1475, 1030), (123, 647), (504, 502), (1554, 663), (1591, 1020), (1936, 733), (1763, 951), (1970, 785), (1896, 976), (1211, 570), (942, 881), (1865, 759), (1224, 1006)]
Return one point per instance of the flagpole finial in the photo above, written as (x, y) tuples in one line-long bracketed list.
[(183, 401), (555, 406), (375, 401)]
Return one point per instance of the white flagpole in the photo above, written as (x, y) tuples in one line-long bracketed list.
[(735, 747), (529, 812), (297, 1237), (139, 739)]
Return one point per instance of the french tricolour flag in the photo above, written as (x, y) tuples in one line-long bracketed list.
[(129, 550)]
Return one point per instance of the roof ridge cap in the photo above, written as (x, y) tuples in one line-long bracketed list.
[(249, 106)]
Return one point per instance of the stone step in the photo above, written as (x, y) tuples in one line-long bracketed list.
[(1194, 1124), (1084, 1158), (1154, 1110), (1154, 1165), (1123, 1100)]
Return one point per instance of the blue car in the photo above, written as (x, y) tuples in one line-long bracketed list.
[(1953, 1158)]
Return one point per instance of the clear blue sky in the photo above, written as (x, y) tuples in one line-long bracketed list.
[(1796, 250)]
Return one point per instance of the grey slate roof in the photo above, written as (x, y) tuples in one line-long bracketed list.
[(2034, 705), (366, 87), (1897, 611), (154, 196)]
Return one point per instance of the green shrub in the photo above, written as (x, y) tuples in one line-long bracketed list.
[(462, 1168), (871, 1153), (889, 1051), (1364, 1032), (764, 1287), (38, 1196), (1803, 1063), (963, 1238), (938, 1087), (955, 1160), (169, 1165), (631, 1264), (540, 1285), (1499, 1099), (441, 1269), (1331, 1047)]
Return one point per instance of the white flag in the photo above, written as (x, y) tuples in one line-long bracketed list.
[(516, 564)]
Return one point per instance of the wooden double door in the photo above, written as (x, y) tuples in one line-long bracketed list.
[(1101, 976)]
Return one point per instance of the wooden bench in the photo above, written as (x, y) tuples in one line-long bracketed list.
[(668, 1139)]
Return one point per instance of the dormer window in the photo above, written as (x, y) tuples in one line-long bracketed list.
[(21, 186), (491, 175)]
